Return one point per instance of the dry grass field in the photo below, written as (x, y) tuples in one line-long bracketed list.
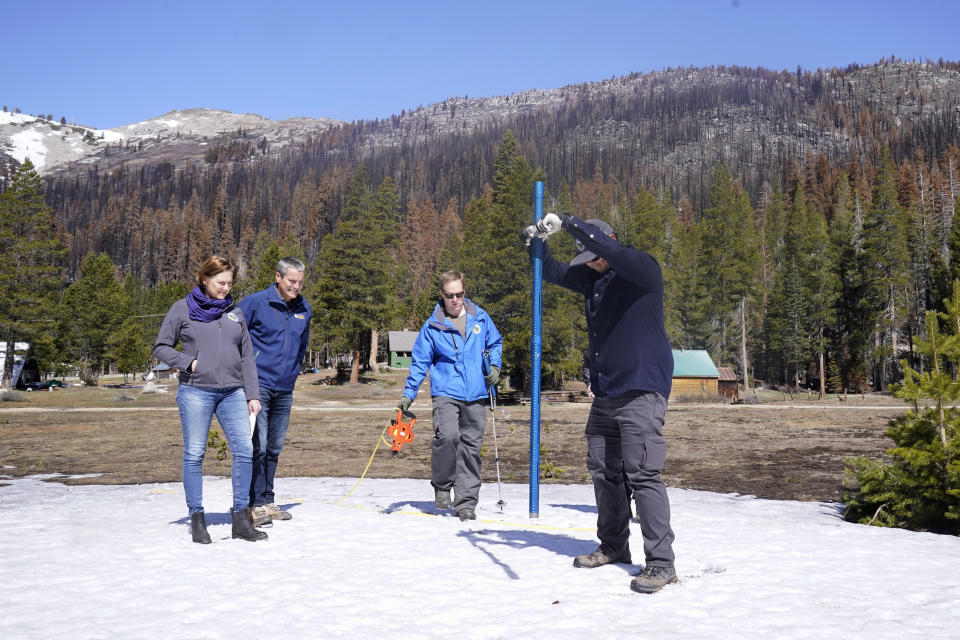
[(780, 448)]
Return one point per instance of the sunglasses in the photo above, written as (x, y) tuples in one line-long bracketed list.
[(451, 296)]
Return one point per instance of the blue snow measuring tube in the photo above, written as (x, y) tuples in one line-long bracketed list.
[(536, 344)]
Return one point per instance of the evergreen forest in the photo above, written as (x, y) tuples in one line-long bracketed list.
[(805, 223)]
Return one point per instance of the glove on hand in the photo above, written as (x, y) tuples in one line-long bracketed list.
[(404, 405), (548, 224), (527, 234), (492, 378)]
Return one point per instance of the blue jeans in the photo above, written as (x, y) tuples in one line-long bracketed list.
[(268, 440), (197, 407)]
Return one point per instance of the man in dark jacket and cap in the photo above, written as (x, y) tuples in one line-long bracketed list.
[(631, 371)]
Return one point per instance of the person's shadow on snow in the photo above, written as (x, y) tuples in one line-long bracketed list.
[(210, 517), (584, 508), (560, 544), (215, 517), (423, 506)]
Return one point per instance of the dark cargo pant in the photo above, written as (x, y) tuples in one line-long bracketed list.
[(457, 438), (624, 440)]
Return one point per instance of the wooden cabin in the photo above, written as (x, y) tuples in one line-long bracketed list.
[(694, 374), (727, 383), (400, 344)]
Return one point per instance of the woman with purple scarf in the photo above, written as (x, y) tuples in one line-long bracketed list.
[(218, 376)]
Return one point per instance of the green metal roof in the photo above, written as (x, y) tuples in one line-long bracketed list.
[(693, 363)]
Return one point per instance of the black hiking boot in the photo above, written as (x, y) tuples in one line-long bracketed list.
[(198, 528), (653, 579), (243, 526), (466, 514), (603, 555), (441, 498)]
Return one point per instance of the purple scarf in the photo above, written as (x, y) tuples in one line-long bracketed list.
[(204, 309)]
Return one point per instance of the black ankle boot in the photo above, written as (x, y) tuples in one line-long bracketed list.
[(198, 528), (243, 526)]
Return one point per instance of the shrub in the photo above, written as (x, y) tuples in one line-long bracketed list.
[(917, 486)]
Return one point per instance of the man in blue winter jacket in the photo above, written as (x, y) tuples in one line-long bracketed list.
[(278, 319), (631, 373), (451, 346)]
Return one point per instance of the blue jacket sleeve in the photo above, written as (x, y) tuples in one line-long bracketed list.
[(494, 344), (305, 336), (419, 363), (247, 306)]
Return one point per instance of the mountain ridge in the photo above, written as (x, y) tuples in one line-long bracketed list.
[(181, 134), (665, 132), (185, 136)]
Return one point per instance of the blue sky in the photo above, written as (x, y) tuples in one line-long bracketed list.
[(108, 63)]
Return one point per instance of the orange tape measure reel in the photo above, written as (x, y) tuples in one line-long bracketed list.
[(400, 431)]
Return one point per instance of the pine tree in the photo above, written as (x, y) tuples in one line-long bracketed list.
[(357, 274), (918, 486), (847, 349), (129, 347), (29, 263), (253, 274), (383, 226), (267, 273), (818, 283), (887, 255), (786, 329), (647, 227), (92, 309), (685, 300), (495, 264), (834, 379), (731, 262)]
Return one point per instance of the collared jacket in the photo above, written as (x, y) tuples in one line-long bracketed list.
[(455, 364), (280, 334), (628, 345), (222, 349)]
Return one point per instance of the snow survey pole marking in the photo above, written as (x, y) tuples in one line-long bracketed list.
[(536, 344)]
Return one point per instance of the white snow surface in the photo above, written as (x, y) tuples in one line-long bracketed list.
[(48, 143), (117, 561)]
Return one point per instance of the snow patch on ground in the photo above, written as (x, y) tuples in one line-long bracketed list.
[(28, 144), (377, 559)]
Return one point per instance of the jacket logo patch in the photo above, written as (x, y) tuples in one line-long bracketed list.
[(233, 316), (476, 328), (299, 316)]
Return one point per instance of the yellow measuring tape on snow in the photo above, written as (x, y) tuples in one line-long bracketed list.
[(402, 432)]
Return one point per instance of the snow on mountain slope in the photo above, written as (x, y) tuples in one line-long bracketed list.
[(50, 144)]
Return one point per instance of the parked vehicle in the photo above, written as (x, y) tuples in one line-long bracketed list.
[(39, 385)]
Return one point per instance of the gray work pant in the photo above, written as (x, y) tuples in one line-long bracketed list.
[(625, 440), (457, 438)]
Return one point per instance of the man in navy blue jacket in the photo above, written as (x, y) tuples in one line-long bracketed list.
[(278, 319), (631, 372)]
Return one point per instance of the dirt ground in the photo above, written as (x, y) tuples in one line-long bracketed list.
[(781, 448)]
